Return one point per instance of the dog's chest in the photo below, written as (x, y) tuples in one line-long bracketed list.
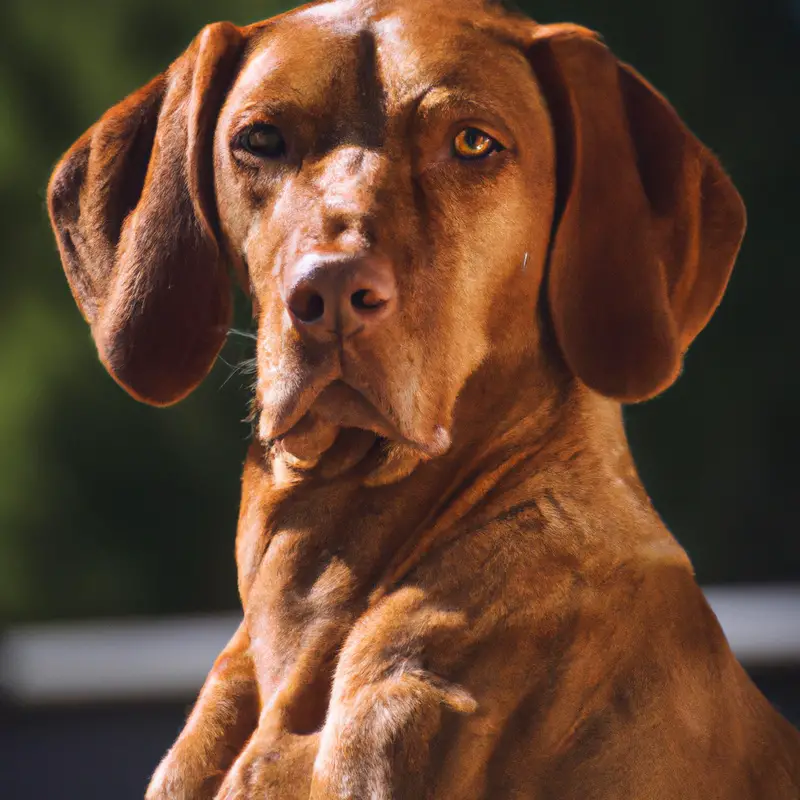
[(307, 565)]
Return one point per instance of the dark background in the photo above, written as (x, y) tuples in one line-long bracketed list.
[(111, 508)]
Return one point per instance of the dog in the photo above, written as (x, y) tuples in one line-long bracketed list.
[(468, 239)]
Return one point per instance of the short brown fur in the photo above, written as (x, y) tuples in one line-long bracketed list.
[(454, 585)]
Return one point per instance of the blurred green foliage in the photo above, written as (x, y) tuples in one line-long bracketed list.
[(110, 507)]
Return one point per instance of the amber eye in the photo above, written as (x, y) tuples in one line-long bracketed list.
[(472, 143), (262, 140)]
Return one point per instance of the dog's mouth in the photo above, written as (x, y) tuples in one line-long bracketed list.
[(328, 415)]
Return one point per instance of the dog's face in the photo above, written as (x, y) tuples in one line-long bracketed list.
[(382, 187), (391, 180)]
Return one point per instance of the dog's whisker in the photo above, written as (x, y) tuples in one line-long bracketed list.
[(243, 334), (247, 366)]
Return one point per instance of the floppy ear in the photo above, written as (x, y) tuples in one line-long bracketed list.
[(132, 207), (648, 223)]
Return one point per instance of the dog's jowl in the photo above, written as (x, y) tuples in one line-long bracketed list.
[(454, 585)]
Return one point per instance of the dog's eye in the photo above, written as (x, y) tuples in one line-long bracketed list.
[(262, 140), (472, 143)]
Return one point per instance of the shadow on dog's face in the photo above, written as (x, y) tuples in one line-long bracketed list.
[(386, 182)]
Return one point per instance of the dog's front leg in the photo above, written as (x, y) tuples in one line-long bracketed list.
[(374, 745), (386, 707), (223, 718)]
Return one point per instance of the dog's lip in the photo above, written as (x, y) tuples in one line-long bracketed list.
[(342, 404), (283, 405), (336, 401)]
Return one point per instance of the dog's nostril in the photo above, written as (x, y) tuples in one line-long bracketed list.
[(366, 300), (307, 305)]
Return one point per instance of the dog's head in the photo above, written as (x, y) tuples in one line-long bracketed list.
[(395, 184)]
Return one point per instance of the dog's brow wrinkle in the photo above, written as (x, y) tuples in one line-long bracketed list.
[(371, 90), (447, 95)]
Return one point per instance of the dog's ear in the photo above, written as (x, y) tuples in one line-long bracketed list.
[(648, 224), (132, 206)]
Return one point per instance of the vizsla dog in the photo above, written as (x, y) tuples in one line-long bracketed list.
[(468, 239)]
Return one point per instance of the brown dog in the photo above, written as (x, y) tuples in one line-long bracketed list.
[(467, 239)]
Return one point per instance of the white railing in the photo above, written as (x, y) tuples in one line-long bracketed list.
[(167, 659)]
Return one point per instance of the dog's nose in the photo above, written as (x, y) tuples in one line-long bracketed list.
[(340, 295)]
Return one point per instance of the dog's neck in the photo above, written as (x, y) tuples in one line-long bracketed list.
[(316, 555), (548, 428)]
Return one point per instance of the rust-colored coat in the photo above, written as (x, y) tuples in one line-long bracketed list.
[(467, 239)]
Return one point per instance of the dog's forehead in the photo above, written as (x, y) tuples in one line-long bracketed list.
[(407, 45), (361, 12)]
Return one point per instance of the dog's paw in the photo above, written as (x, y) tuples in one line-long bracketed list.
[(177, 779), (252, 776), (280, 770)]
